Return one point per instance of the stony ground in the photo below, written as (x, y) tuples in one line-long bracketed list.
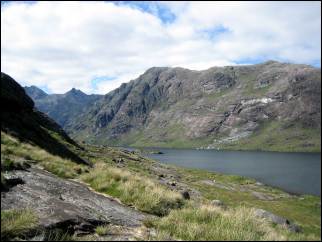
[(63, 203)]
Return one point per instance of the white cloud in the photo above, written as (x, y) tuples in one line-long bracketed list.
[(66, 44)]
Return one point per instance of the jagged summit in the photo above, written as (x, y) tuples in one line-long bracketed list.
[(63, 108), (35, 92), (75, 91)]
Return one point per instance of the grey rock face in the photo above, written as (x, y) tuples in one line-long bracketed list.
[(210, 108), (60, 203), (220, 105)]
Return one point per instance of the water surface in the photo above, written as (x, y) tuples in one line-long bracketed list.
[(298, 173)]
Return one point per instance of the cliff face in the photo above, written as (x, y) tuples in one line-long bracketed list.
[(269, 106)]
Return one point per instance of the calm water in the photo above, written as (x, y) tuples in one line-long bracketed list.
[(298, 173)]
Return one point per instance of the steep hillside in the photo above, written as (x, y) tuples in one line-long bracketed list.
[(63, 108), (269, 106), (21, 120)]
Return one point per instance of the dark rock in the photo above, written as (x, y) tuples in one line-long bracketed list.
[(120, 160), (13, 95), (156, 152), (20, 119), (261, 213), (84, 226), (185, 195), (10, 182)]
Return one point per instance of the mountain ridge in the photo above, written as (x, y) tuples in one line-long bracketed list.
[(231, 107), (62, 107)]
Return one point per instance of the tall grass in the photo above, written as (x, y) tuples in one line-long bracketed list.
[(210, 223), (17, 223), (141, 192), (13, 150)]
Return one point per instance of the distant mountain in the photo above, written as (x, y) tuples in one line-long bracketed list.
[(22, 120), (35, 92), (268, 106), (63, 108)]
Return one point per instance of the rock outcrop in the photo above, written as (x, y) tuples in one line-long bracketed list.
[(261, 213), (65, 204)]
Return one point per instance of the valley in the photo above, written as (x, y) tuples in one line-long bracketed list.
[(160, 121), (62, 190)]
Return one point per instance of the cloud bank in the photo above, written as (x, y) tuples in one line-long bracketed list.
[(95, 46)]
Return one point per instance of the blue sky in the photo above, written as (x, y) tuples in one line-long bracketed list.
[(96, 46), (161, 11)]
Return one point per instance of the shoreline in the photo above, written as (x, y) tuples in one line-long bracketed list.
[(154, 157)]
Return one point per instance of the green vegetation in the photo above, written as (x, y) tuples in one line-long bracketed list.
[(132, 189), (16, 154), (136, 185), (102, 230), (209, 222), (302, 210), (270, 136), (17, 223), (274, 136)]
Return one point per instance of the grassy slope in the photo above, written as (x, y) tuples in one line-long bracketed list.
[(136, 184), (272, 136), (303, 210)]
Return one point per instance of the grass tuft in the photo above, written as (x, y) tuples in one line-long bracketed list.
[(17, 223), (131, 189), (213, 223)]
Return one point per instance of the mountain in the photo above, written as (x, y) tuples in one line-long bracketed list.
[(22, 120), (63, 108), (35, 92), (268, 106), (49, 192)]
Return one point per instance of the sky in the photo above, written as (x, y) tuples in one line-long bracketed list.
[(96, 46)]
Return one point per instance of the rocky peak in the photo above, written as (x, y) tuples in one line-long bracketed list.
[(35, 92), (75, 92)]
